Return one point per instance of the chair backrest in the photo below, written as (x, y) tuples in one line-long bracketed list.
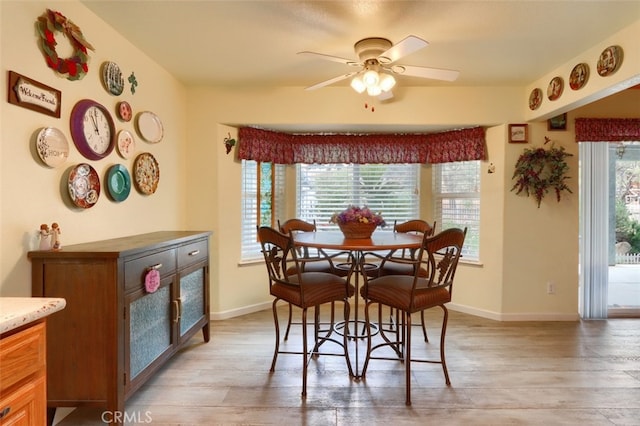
[(293, 225), (415, 226), (440, 254), (279, 254)]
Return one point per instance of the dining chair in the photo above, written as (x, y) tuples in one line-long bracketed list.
[(412, 226), (315, 260), (409, 294), (304, 290)]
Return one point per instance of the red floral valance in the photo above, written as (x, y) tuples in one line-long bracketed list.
[(282, 148), (607, 129)]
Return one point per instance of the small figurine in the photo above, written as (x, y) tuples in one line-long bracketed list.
[(44, 234), (55, 236)]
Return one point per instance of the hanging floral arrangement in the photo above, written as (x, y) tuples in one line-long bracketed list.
[(539, 171), (74, 67)]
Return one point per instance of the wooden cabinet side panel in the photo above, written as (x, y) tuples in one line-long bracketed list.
[(82, 340)]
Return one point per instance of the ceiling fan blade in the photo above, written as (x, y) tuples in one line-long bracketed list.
[(404, 47), (425, 72), (331, 81), (330, 58)]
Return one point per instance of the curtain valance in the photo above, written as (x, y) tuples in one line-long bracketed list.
[(607, 129), (282, 148)]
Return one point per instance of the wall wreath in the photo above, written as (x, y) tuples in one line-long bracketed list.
[(74, 67), (540, 170)]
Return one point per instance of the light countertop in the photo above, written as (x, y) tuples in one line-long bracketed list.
[(18, 311)]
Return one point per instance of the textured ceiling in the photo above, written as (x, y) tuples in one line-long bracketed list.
[(254, 43)]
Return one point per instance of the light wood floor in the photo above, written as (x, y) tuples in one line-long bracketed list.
[(515, 373)]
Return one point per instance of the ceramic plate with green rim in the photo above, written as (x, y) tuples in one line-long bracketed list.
[(118, 182)]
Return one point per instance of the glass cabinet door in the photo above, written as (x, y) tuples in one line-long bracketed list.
[(192, 295), (150, 326)]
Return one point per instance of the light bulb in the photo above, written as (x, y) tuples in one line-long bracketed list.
[(374, 91), (358, 85), (387, 82), (370, 78)]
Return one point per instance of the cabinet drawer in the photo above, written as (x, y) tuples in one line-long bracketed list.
[(21, 355), (136, 269), (192, 253), (27, 406)]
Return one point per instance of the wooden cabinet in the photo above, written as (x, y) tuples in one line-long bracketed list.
[(114, 334), (23, 397)]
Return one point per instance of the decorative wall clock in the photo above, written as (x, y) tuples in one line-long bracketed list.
[(92, 129)]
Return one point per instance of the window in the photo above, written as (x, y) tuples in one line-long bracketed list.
[(262, 201), (456, 192), (323, 189)]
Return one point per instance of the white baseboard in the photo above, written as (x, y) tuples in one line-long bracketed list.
[(497, 316), (520, 316), (216, 316)]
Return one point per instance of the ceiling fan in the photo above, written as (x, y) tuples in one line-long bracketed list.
[(377, 62)]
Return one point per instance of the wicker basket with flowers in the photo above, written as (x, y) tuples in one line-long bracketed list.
[(357, 222)]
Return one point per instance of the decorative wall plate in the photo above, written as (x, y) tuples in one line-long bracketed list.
[(124, 111), (579, 76), (535, 99), (555, 88), (84, 186), (146, 173), (52, 146), (610, 60), (118, 182), (112, 78), (149, 127), (126, 144)]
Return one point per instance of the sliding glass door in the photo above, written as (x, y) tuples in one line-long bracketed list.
[(609, 229), (624, 269)]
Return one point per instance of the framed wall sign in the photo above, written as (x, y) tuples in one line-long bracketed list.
[(33, 95), (559, 122), (518, 133)]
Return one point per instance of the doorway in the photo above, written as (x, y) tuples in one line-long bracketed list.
[(610, 230)]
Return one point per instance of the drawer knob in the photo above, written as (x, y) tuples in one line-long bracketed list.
[(194, 253), (5, 411)]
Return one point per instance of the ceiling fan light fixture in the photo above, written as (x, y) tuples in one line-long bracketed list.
[(358, 85), (374, 90), (370, 78), (386, 82)]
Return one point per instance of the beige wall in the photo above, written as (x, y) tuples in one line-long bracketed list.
[(32, 193), (522, 247)]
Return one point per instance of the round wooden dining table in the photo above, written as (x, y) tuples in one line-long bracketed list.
[(380, 241)]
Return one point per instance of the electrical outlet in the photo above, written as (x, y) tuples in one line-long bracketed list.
[(551, 287)]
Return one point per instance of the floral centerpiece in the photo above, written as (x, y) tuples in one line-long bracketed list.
[(357, 222)]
